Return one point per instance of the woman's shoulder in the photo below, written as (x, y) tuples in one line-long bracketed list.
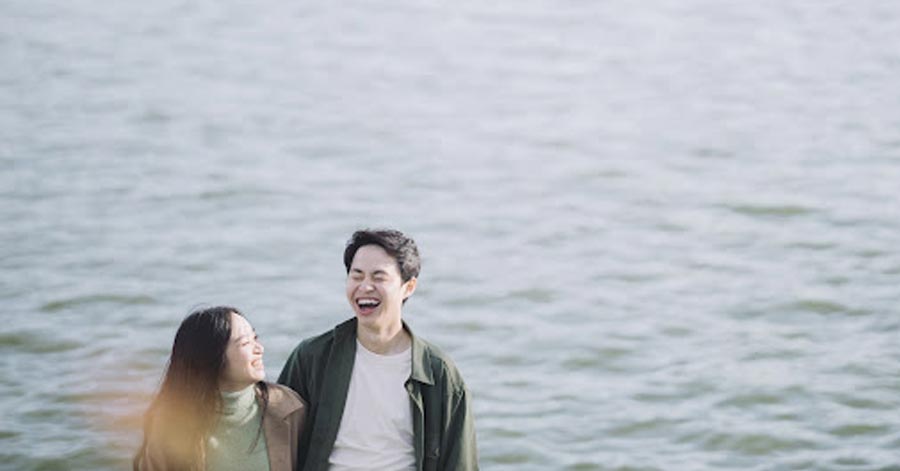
[(283, 400)]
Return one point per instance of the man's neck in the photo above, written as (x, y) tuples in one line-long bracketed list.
[(393, 339)]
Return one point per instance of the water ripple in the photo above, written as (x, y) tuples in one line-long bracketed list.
[(79, 301)]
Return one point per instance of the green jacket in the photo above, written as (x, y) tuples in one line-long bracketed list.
[(319, 370)]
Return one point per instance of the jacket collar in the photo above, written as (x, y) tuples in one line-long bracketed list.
[(421, 356), (421, 359)]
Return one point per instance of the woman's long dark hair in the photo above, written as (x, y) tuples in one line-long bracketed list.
[(184, 411)]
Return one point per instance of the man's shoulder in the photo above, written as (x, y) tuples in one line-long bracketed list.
[(316, 342), (443, 367), (436, 355), (320, 343)]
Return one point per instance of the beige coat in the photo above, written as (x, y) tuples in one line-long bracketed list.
[(282, 426)]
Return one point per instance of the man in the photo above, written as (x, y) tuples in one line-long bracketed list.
[(380, 398)]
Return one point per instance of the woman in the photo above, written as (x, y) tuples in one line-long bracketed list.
[(213, 410)]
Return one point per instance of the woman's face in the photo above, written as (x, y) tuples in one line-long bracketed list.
[(243, 357)]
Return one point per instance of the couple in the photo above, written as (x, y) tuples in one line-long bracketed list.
[(367, 395)]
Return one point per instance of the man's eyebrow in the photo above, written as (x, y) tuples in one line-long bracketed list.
[(378, 271)]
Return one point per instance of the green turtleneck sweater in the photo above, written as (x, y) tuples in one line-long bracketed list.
[(229, 446)]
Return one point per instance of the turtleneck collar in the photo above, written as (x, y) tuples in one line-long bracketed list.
[(239, 407)]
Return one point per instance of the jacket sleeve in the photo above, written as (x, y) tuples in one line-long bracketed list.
[(460, 451)]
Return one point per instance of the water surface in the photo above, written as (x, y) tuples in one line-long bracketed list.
[(656, 236)]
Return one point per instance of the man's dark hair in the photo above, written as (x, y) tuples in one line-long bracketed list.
[(395, 243)]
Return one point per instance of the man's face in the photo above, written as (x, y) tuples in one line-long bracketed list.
[(375, 288)]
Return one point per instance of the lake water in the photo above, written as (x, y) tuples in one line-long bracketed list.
[(656, 235)]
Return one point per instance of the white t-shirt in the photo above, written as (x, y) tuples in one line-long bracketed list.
[(376, 430)]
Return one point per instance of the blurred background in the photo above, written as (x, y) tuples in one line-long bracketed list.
[(656, 235)]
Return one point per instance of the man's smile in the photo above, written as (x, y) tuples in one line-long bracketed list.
[(367, 305)]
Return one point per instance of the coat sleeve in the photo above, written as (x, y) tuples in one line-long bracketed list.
[(460, 451)]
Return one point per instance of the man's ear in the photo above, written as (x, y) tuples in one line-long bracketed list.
[(409, 287)]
